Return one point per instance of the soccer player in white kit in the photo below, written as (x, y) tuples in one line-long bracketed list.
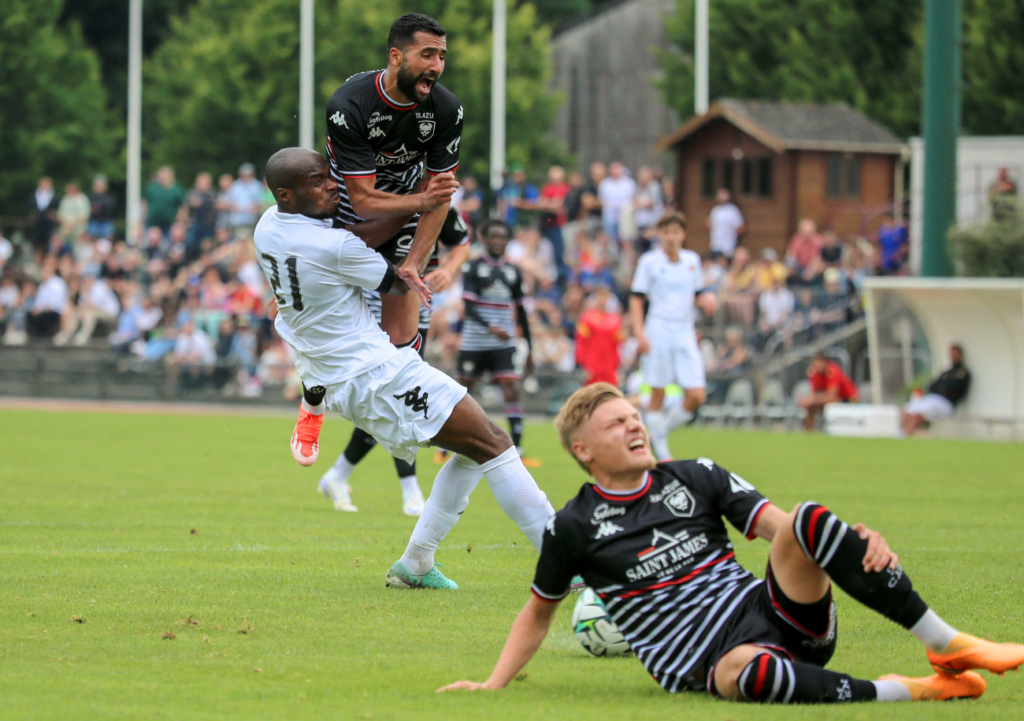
[(318, 273), (671, 280)]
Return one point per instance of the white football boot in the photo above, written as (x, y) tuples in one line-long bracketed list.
[(338, 490)]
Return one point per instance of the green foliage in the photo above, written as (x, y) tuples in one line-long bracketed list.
[(53, 115), (861, 52), (994, 249), (993, 63), (223, 89)]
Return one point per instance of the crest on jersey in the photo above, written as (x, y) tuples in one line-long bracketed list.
[(681, 503), (426, 128)]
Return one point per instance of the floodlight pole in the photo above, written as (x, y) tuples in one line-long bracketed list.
[(133, 192), (306, 39), (498, 32), (941, 115), (700, 56)]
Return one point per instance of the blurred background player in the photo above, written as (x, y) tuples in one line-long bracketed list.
[(598, 335), (671, 281), (492, 294), (943, 395), (828, 385), (381, 125)]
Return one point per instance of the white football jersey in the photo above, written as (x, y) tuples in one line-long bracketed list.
[(317, 274), (670, 289)]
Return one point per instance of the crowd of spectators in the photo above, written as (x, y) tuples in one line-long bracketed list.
[(189, 292)]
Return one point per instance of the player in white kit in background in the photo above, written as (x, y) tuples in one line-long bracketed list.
[(671, 280), (318, 273)]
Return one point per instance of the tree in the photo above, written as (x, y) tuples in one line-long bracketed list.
[(53, 115), (223, 88), (993, 67), (861, 52)]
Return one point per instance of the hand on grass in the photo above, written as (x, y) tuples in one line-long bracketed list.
[(463, 686)]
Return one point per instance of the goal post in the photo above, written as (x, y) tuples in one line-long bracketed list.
[(986, 317)]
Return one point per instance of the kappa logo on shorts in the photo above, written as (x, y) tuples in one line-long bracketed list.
[(414, 400)]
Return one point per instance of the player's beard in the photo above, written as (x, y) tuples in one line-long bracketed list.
[(407, 80)]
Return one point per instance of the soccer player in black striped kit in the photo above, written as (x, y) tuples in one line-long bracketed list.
[(381, 127), (649, 538)]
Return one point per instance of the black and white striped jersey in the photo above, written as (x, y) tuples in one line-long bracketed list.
[(495, 288), (369, 135), (661, 560)]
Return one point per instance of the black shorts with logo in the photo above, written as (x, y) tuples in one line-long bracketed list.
[(499, 362), (767, 617)]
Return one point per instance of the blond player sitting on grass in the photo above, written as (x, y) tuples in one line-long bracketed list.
[(650, 539)]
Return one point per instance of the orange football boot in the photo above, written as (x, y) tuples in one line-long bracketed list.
[(942, 686), (966, 652), (306, 437)]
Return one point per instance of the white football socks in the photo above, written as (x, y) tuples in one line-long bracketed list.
[(410, 486), (657, 429), (313, 410), (448, 499), (891, 691), (933, 632), (343, 468), (519, 495)]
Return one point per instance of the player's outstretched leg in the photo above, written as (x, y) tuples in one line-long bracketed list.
[(305, 441), (840, 550), (481, 449)]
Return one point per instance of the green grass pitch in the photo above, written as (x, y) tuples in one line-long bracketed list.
[(183, 567)]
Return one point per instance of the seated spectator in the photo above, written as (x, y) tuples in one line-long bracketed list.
[(767, 270), (245, 199), (468, 201), (828, 385), (16, 332), (740, 292), (943, 395), (776, 308), (598, 334), (101, 210), (97, 303), (804, 247), (553, 351), (9, 295), (714, 273), (894, 245), (733, 356), (534, 257), (73, 213), (831, 249), (516, 197), (222, 348), (193, 356), (49, 304), (6, 251)]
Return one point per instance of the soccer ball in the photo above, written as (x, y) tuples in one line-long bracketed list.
[(595, 629)]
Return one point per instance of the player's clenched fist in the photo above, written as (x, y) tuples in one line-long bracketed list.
[(439, 191)]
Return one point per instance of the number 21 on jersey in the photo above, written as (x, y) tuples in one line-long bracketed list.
[(293, 280)]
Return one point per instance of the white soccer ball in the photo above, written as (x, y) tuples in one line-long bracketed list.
[(594, 628)]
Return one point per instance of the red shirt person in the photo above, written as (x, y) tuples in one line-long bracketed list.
[(598, 334), (829, 384)]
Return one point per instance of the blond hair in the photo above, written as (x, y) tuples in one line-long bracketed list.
[(578, 409)]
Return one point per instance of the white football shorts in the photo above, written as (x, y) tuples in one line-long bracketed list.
[(931, 407), (403, 403), (682, 366)]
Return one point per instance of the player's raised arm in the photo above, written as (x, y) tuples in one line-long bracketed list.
[(528, 632)]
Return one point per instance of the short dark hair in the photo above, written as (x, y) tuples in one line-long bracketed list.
[(485, 228), (672, 218), (405, 28)]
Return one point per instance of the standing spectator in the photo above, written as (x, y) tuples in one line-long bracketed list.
[(102, 207), (202, 215), (615, 192), (42, 216), (516, 195), (831, 249), (163, 196), (245, 200), (73, 213), (1002, 196), (97, 303), (943, 395), (733, 356), (6, 251), (648, 207), (804, 247), (828, 385), (51, 300), (894, 245), (726, 224), (598, 335), (573, 212), (776, 308), (591, 200), (223, 202), (468, 202), (552, 203), (9, 295)]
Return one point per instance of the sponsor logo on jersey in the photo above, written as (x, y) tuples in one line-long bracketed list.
[(377, 118), (422, 114), (604, 512), (607, 528), (397, 157), (339, 119), (377, 133), (681, 503), (666, 554), (426, 128), (453, 147)]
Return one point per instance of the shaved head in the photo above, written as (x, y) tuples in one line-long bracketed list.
[(301, 182)]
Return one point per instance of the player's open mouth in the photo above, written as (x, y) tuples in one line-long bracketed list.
[(424, 85), (637, 444)]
